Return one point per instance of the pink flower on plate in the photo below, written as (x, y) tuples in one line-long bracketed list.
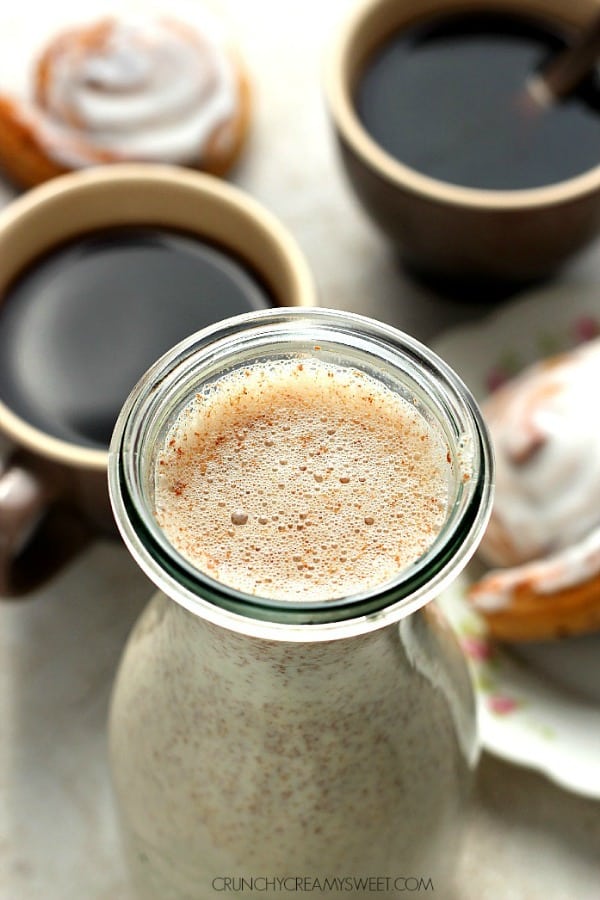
[(586, 328), (476, 648), (506, 366), (501, 705), (495, 378)]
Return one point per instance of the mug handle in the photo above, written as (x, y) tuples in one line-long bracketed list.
[(38, 533)]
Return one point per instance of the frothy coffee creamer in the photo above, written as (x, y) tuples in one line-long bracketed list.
[(301, 480)]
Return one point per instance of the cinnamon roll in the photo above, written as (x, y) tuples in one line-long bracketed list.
[(147, 88), (545, 526)]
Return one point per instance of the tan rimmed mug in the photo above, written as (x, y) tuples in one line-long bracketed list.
[(53, 493), (442, 228)]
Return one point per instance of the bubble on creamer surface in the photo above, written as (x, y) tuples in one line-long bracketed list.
[(301, 480)]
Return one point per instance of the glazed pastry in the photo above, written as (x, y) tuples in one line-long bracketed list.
[(148, 89), (545, 526)]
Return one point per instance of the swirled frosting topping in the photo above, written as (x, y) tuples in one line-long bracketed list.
[(141, 88), (545, 427)]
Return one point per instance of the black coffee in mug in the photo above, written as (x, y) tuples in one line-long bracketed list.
[(444, 96), (83, 323)]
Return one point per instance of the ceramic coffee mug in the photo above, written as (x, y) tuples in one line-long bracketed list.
[(53, 493), (442, 228)]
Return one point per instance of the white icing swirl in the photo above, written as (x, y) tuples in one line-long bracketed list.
[(545, 428), (147, 89)]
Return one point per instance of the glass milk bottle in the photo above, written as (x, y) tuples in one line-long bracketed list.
[(281, 745)]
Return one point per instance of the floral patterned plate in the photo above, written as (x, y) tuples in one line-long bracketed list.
[(538, 703)]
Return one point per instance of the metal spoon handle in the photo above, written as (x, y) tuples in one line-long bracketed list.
[(564, 72)]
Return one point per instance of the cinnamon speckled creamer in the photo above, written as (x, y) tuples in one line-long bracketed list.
[(301, 480), (295, 483)]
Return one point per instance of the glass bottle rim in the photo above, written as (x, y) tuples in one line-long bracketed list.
[(176, 374)]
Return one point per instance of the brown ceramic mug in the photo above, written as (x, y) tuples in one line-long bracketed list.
[(442, 228), (53, 493)]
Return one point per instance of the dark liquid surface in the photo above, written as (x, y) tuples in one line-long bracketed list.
[(80, 326), (442, 97)]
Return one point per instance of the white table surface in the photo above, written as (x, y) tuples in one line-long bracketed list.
[(526, 839)]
